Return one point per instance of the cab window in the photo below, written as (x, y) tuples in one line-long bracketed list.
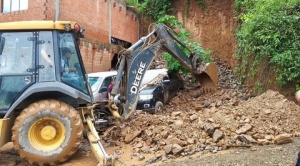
[(71, 70)]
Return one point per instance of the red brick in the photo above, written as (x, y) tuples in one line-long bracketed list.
[(92, 16)]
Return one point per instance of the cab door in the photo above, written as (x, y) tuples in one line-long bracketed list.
[(17, 66)]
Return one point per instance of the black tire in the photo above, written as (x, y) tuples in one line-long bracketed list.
[(47, 132), (159, 107)]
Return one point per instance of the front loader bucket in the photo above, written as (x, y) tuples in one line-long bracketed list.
[(208, 78), (4, 131)]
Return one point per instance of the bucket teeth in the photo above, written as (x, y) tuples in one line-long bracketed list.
[(208, 89), (208, 78)]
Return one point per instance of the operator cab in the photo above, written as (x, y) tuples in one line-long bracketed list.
[(40, 62)]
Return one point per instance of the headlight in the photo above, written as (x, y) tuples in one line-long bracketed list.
[(145, 97)]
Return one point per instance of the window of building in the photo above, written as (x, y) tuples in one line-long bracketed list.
[(14, 5), (117, 41)]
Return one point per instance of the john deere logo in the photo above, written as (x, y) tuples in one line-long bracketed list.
[(138, 78)]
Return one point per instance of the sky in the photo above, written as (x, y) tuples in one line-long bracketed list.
[(14, 5)]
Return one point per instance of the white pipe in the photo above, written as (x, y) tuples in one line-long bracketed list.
[(109, 21), (57, 9)]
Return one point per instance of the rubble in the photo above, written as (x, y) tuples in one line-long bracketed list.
[(231, 117)]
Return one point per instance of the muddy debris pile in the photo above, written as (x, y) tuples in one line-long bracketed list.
[(188, 126), (194, 122)]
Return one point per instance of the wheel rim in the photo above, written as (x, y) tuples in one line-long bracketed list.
[(46, 134), (159, 109)]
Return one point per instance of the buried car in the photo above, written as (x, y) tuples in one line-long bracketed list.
[(99, 81), (153, 97), (158, 87)]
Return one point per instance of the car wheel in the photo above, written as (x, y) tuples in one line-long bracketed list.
[(159, 107)]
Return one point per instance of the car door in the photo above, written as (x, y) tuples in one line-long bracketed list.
[(17, 65), (103, 87), (172, 86), (166, 89)]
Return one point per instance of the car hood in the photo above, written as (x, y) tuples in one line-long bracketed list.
[(148, 89)]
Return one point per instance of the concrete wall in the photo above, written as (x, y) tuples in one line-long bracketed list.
[(100, 18)]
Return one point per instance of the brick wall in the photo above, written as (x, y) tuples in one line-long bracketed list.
[(121, 15), (93, 15), (36, 11)]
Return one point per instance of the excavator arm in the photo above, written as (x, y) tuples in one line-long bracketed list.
[(136, 60)]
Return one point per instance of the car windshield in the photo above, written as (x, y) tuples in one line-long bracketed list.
[(148, 90), (94, 82)]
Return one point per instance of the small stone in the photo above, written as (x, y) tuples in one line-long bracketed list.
[(130, 136), (178, 122), (218, 134), (139, 145), (176, 149), (209, 128), (178, 141), (219, 103), (253, 149), (145, 149), (262, 141), (165, 134), (141, 157), (283, 139), (247, 120), (244, 129), (194, 117), (246, 139), (190, 140), (211, 120), (175, 113), (267, 111), (168, 148), (206, 104), (269, 137)]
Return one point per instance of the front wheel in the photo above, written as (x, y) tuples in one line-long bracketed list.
[(159, 107), (47, 132)]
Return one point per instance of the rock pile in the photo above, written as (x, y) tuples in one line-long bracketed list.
[(211, 122), (188, 126)]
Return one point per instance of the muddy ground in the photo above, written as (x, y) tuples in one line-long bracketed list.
[(268, 155)]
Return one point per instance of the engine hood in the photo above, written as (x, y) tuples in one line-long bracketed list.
[(149, 89)]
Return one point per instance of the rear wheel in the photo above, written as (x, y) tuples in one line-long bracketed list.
[(47, 132), (159, 107)]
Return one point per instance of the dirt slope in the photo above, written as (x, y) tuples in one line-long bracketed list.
[(213, 26)]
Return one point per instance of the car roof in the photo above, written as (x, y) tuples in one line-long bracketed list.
[(103, 74), (148, 75)]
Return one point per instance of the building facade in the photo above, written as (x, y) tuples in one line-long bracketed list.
[(110, 25)]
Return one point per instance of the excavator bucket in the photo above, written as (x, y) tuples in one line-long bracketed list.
[(4, 132), (208, 78)]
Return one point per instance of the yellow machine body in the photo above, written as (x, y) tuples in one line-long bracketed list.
[(5, 131)]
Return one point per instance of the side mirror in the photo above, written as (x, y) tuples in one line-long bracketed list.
[(2, 43), (166, 82)]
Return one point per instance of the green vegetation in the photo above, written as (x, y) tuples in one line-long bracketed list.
[(158, 10), (259, 87), (201, 3), (134, 3), (270, 29), (184, 37), (155, 9)]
